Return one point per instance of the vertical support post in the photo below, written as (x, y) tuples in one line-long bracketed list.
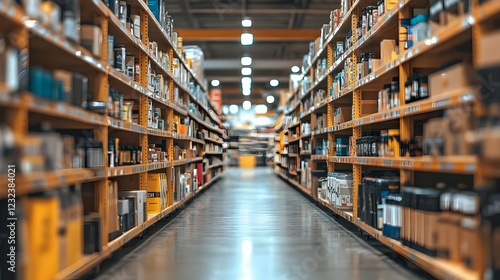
[(356, 108), (330, 108), (143, 106)]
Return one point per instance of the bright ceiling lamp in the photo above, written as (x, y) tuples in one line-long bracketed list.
[(246, 39), (246, 22), (247, 105), (233, 109), (270, 99), (295, 69), (215, 83), (261, 109), (274, 83), (225, 109), (246, 71), (246, 91), (246, 61), (246, 82)]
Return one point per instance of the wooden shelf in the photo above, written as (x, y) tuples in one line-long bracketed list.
[(319, 157), (160, 133), (216, 165), (293, 155), (127, 170), (208, 139), (320, 131), (126, 126), (341, 94), (446, 164), (62, 110), (159, 165), (28, 183), (186, 161)]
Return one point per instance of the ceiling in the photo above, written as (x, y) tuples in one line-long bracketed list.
[(282, 32)]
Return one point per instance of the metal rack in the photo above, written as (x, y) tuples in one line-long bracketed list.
[(59, 52), (466, 27)]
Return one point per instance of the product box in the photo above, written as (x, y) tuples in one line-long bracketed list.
[(389, 4), (454, 77), (345, 114), (488, 54), (154, 203), (369, 107), (470, 241), (91, 38), (42, 214), (141, 206), (387, 47)]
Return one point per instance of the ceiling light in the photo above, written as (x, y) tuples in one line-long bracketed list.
[(215, 83), (245, 71), (261, 109), (274, 83), (246, 91), (225, 109), (270, 99), (246, 22), (295, 69), (246, 61), (247, 105), (233, 109), (246, 82), (246, 39)]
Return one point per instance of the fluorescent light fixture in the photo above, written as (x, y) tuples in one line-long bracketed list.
[(274, 83), (246, 82), (295, 69), (225, 109), (233, 109), (270, 99), (246, 71), (215, 83), (295, 77), (246, 61), (246, 91), (246, 22), (247, 105), (246, 39), (261, 109)]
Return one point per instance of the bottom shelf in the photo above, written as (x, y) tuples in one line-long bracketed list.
[(89, 261), (439, 268)]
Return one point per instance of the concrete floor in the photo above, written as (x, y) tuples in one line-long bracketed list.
[(252, 225)]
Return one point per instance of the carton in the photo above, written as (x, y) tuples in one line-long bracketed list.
[(454, 77), (488, 54), (91, 38), (387, 47)]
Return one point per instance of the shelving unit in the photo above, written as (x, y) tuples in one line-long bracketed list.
[(464, 30), (50, 49)]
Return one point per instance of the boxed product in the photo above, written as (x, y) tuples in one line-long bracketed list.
[(91, 38), (451, 76), (387, 51), (369, 107), (487, 53), (141, 203)]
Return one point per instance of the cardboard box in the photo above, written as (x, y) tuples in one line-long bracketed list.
[(452, 78), (470, 241), (91, 38), (389, 4), (141, 203), (387, 47), (369, 107), (154, 203), (488, 54)]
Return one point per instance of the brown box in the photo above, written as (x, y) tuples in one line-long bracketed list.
[(91, 38), (448, 236), (376, 63), (452, 78), (386, 48), (470, 242), (488, 54), (369, 107), (345, 114)]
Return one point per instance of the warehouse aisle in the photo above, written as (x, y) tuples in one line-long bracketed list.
[(251, 225)]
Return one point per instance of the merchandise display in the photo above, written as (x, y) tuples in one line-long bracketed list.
[(412, 115), (97, 128)]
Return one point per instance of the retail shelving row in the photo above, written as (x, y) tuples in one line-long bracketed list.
[(100, 122), (396, 111)]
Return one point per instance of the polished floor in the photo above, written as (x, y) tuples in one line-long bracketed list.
[(251, 225)]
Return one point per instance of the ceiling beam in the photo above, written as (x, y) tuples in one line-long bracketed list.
[(256, 11), (257, 64), (255, 79), (258, 34), (240, 101)]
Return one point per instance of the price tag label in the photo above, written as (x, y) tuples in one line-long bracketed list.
[(372, 119), (410, 54), (441, 103)]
